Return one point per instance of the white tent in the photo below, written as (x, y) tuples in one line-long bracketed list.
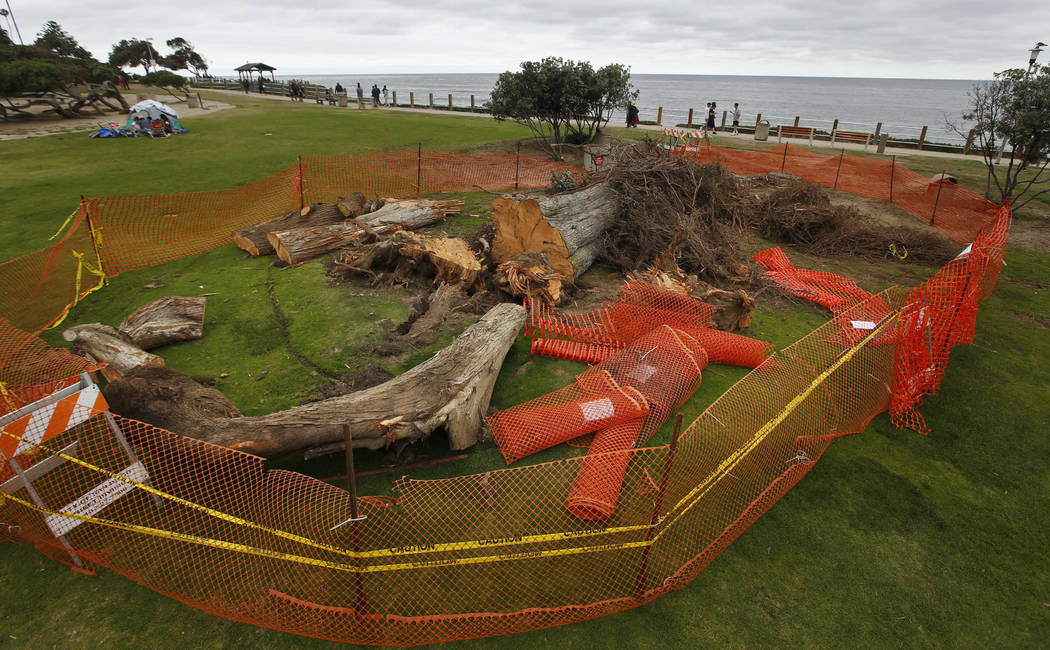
[(151, 109)]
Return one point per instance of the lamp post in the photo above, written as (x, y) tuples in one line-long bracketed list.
[(10, 15), (1034, 54), (149, 51)]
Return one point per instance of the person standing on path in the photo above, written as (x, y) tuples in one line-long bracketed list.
[(375, 96), (386, 96), (736, 118), (632, 116), (360, 96), (262, 86), (711, 118)]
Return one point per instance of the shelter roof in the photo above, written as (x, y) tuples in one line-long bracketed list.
[(255, 66)]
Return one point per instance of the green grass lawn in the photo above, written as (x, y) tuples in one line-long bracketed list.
[(893, 539)]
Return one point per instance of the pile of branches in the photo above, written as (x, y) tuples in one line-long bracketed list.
[(801, 215), (707, 211), (666, 197)]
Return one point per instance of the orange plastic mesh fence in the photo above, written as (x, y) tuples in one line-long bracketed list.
[(507, 550), (111, 235), (140, 231), (494, 553), (957, 212), (940, 314)]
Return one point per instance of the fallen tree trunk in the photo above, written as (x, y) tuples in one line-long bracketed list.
[(450, 390), (105, 343), (407, 256), (164, 321), (254, 239), (300, 244), (565, 228)]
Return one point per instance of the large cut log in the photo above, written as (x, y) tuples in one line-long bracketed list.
[(254, 239), (298, 245), (565, 228), (105, 343), (164, 321), (451, 258), (451, 390)]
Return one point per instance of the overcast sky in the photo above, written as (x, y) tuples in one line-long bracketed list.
[(948, 39)]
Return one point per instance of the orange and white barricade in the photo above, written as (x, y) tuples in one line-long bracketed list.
[(29, 429)]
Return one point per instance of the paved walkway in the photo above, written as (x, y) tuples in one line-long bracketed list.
[(719, 139)]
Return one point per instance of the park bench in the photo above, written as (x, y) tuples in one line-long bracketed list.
[(859, 137), (796, 132)]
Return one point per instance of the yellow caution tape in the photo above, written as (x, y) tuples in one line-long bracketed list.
[(64, 224), (77, 296), (697, 494), (413, 549), (683, 506), (301, 559)]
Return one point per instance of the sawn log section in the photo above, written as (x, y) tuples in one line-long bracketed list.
[(298, 245)]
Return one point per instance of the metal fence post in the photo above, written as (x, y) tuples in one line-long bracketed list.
[(841, 156), (302, 198), (639, 584), (937, 200), (517, 163), (783, 162), (893, 172)]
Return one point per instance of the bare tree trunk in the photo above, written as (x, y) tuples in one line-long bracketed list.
[(451, 390), (565, 228), (298, 245)]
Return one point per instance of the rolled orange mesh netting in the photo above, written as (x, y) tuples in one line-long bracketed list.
[(665, 366), (593, 402), (597, 486), (594, 336)]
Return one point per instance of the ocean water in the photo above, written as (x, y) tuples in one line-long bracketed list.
[(903, 106)]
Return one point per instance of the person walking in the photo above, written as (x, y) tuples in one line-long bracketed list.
[(262, 85), (246, 85), (736, 119), (375, 96), (386, 96), (632, 116), (711, 118), (360, 96)]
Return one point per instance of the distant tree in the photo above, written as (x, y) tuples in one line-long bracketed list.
[(185, 57), (164, 79), (561, 100), (30, 69), (1013, 110), (52, 37), (134, 53)]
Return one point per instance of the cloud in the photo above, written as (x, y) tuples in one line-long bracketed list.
[(891, 38)]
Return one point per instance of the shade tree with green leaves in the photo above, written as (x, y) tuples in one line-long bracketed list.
[(560, 100)]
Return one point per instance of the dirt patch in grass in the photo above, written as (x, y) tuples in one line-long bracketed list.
[(1038, 321), (1030, 234)]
